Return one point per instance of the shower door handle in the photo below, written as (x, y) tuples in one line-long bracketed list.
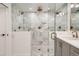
[(53, 35)]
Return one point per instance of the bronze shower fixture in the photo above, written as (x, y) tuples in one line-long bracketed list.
[(39, 9)]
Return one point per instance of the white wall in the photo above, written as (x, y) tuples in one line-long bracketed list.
[(8, 30)]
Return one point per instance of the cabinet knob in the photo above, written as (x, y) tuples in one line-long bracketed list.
[(53, 35)]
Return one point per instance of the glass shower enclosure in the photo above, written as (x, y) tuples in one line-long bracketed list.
[(39, 19)]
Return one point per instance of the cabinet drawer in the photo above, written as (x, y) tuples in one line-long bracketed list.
[(74, 51)]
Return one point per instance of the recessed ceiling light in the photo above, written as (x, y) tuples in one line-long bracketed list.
[(72, 5)]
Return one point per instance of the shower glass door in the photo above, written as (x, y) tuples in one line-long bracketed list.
[(43, 26), (40, 39)]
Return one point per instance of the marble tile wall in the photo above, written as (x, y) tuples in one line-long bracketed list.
[(40, 44)]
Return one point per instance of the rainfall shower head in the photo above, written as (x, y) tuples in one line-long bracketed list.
[(22, 13), (39, 9)]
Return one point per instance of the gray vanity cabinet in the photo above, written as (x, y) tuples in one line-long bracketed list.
[(62, 48), (74, 51), (65, 49), (58, 45)]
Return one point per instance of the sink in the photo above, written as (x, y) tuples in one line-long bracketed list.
[(66, 35)]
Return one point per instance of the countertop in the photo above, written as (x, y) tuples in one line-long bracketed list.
[(67, 37)]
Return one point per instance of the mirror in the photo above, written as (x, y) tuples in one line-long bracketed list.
[(74, 16), (61, 17)]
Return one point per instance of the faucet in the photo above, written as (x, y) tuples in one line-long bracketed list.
[(75, 34)]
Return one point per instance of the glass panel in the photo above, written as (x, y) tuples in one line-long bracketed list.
[(75, 16), (61, 17), (26, 22), (17, 19), (51, 21)]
